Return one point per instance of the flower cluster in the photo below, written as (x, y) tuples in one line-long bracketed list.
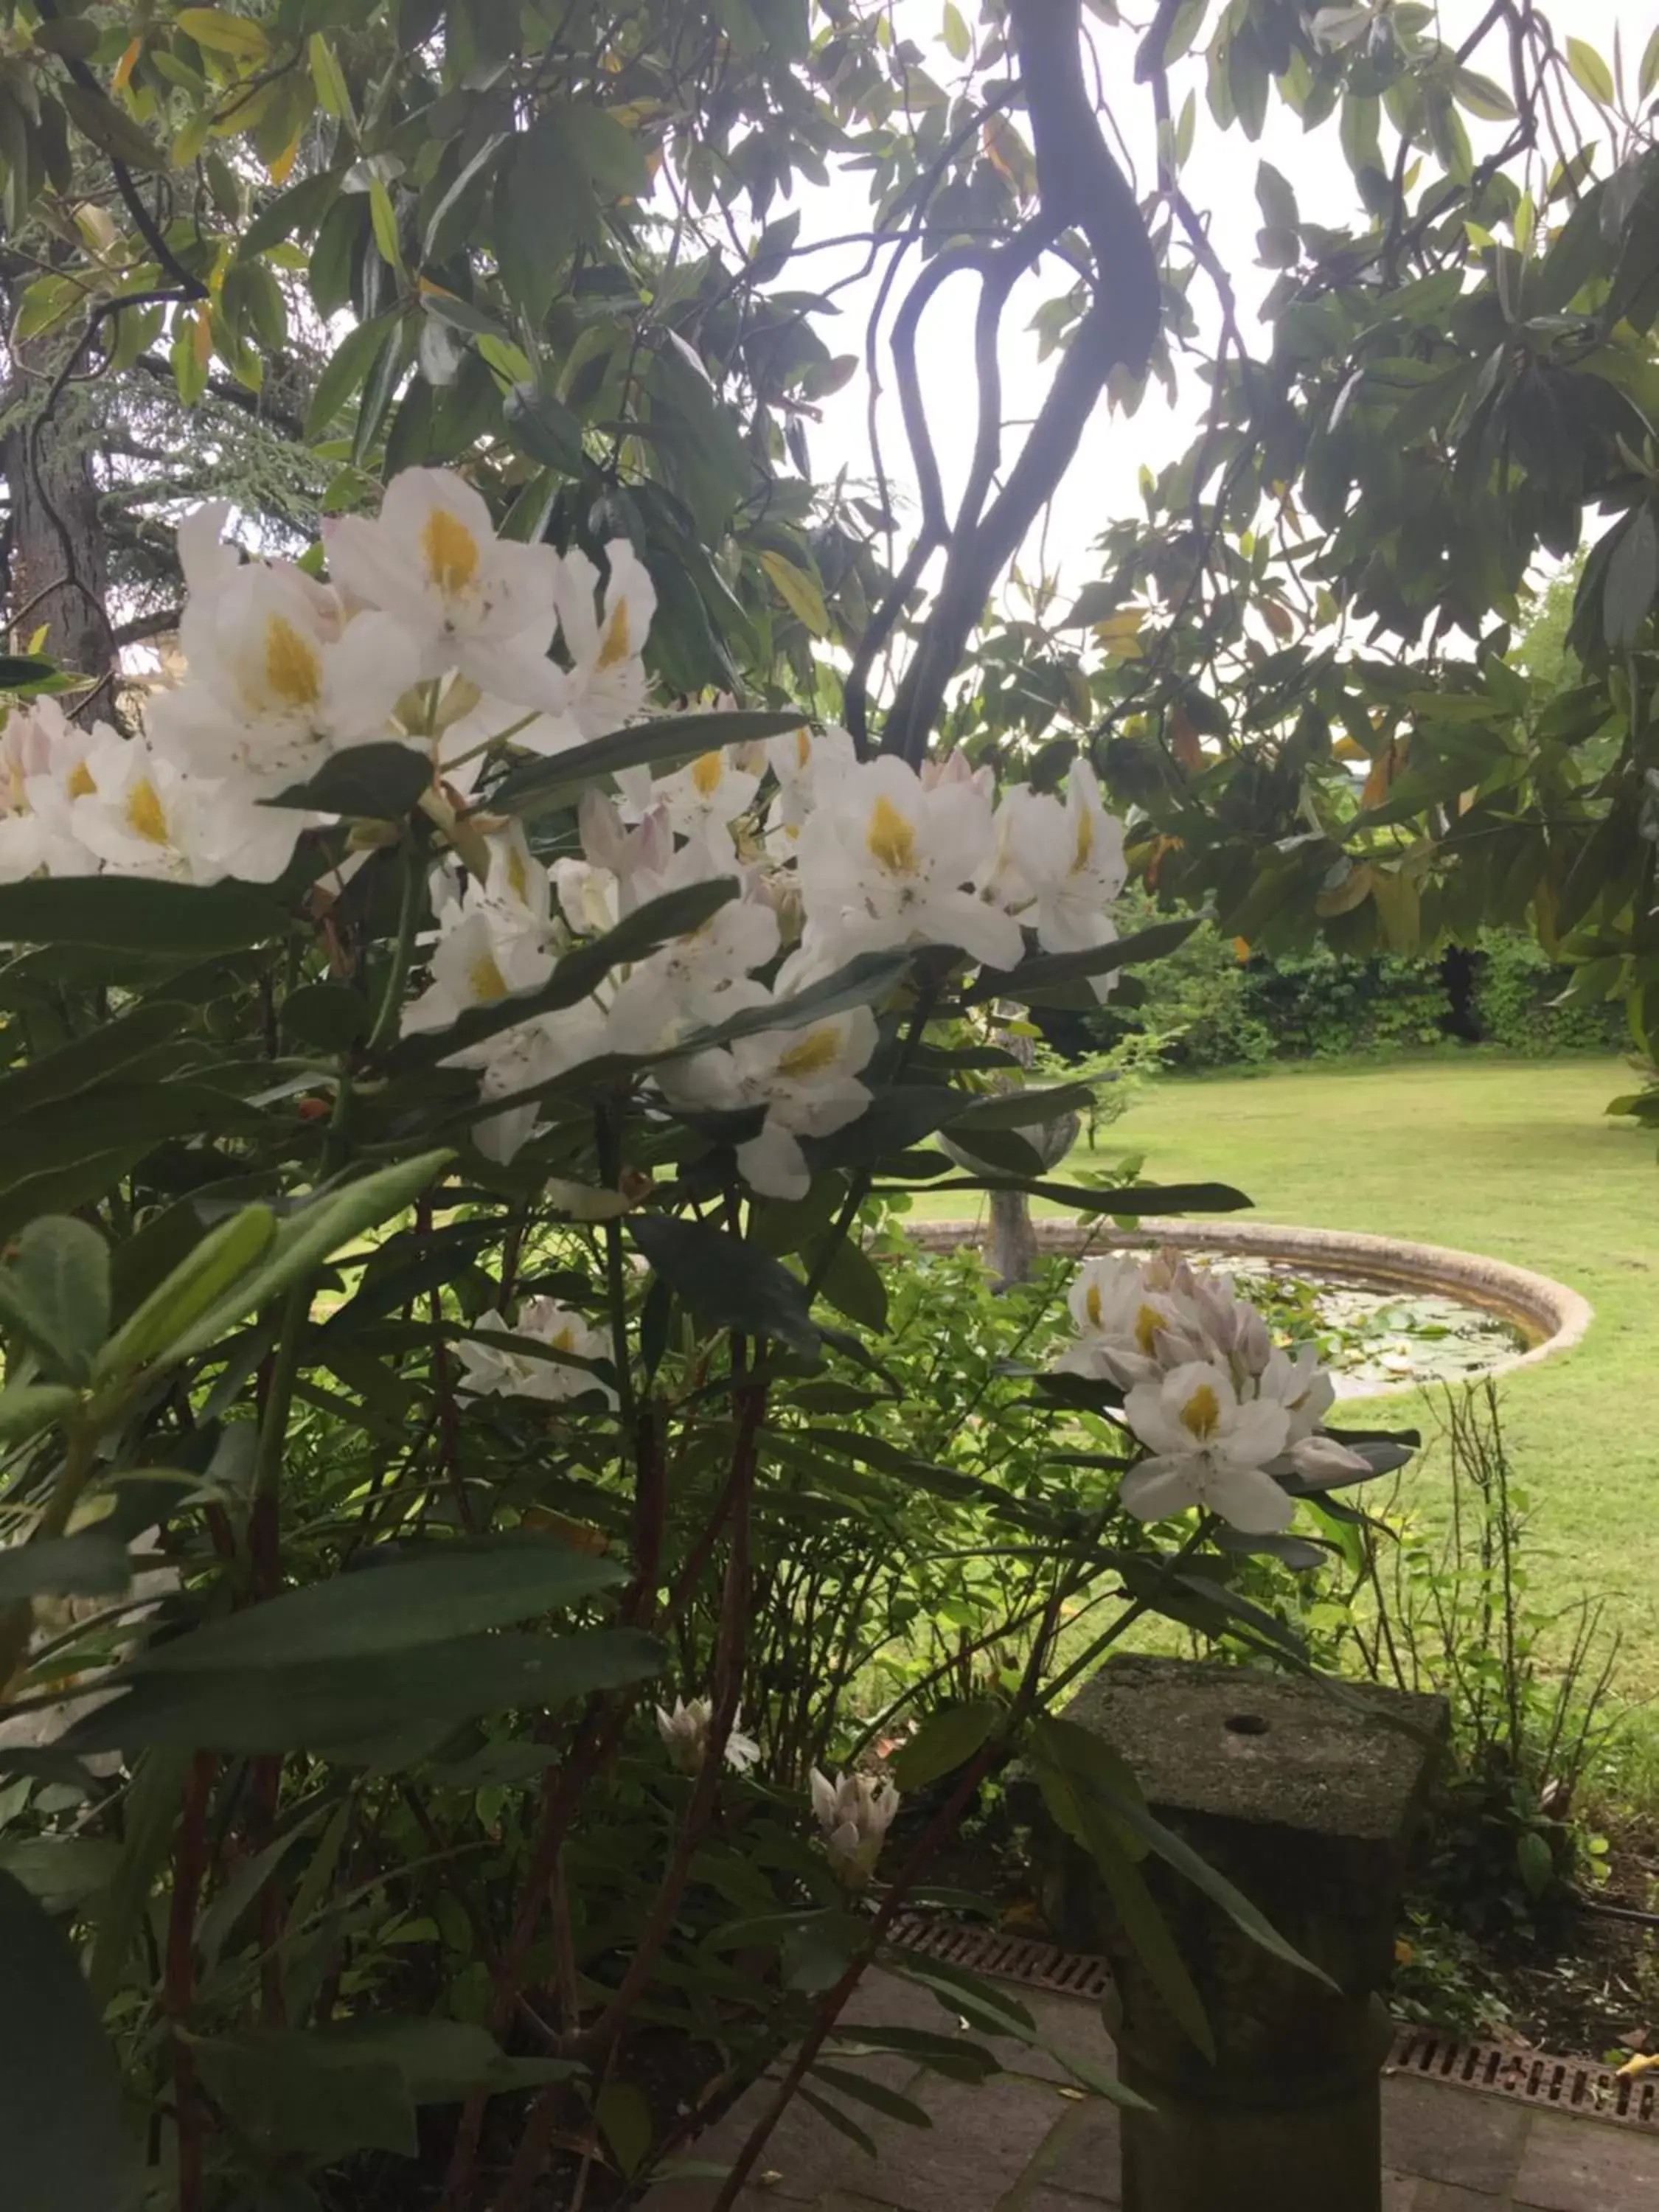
[(499, 1359), (854, 1812), (1222, 1409), (434, 634), (684, 1733)]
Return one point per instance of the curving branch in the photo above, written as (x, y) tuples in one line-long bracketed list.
[(1080, 187)]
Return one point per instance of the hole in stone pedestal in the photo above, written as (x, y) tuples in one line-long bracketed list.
[(1245, 1724)]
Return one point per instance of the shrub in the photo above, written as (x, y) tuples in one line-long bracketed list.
[(1516, 986)]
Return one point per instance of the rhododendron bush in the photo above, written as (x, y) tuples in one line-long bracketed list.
[(458, 1110)]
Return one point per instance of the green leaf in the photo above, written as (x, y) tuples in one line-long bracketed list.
[(349, 364), (1128, 1204), (96, 114), (1590, 72), (1077, 1753), (541, 786), (1535, 1861), (866, 979), (92, 1565), (198, 1282), (625, 2122), (336, 1706), (724, 1283), (126, 914), (308, 1238), (1648, 76), (375, 783), (851, 1282), (1043, 971), (864, 2089), (540, 424), (61, 2116), (149, 1813), (27, 1409), (55, 1292), (89, 1060), (838, 2120), (291, 2101), (20, 669), (958, 43), (1022, 1109), (676, 914), (1632, 578), (301, 207), (800, 593), (456, 1589), (947, 1738)]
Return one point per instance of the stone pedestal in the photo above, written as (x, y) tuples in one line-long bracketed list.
[(1306, 1803)]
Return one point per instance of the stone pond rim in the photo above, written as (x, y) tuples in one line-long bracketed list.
[(1552, 1317)]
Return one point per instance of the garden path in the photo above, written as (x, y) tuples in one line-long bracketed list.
[(1027, 2140)]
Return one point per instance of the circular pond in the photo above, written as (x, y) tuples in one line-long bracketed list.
[(1373, 1338)]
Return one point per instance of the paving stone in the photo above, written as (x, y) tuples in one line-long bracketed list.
[(897, 2002), (1399, 2192), (1084, 2157), (1586, 2166), (1045, 2199), (982, 2139), (1071, 2024), (1451, 2135)]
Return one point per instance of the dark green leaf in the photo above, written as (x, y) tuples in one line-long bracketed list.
[(1044, 972), (60, 2089), (88, 1059), (540, 424), (452, 1589), (91, 1565), (202, 1277), (335, 1706), (724, 1283), (18, 670), (1022, 1109), (1632, 579), (852, 1283), (378, 782), (351, 361), (126, 914), (947, 1738), (864, 2090), (27, 1409), (540, 786)]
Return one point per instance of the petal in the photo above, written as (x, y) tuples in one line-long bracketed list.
[(1159, 1488), (774, 1164), (1249, 1499)]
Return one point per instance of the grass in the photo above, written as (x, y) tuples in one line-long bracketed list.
[(1511, 1157)]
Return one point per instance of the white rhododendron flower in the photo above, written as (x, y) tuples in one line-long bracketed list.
[(471, 600), (698, 979), (1069, 858), (806, 762), (604, 637), (703, 800), (140, 814), (885, 860), (854, 1812), (1209, 1448), (1222, 1409), (42, 769), (806, 1078), (487, 949), (523, 1058), (685, 1733), (505, 1370)]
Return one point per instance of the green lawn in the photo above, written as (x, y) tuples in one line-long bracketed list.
[(1516, 1158)]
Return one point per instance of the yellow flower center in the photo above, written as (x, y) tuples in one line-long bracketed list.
[(1201, 1414), (1091, 1305), (144, 814), (486, 979), (565, 1341), (451, 551), (518, 876), (1148, 1322), (706, 776), (817, 1050), (1085, 842), (618, 641), (80, 784), (891, 840), (292, 669), (803, 746)]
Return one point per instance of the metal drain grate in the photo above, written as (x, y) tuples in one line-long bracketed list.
[(1568, 2085)]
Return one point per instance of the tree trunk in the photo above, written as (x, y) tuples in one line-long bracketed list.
[(56, 571)]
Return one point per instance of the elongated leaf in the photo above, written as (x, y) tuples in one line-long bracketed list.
[(89, 1060), (455, 1589), (304, 1242), (949, 2055), (91, 1565), (865, 2090), (60, 2090), (724, 1283), (947, 1738), (326, 1705), (125, 913), (379, 782), (862, 982), (1130, 1202), (1022, 1109), (1076, 1751), (838, 2120), (196, 1284), (541, 785), (27, 1409), (1044, 970), (677, 914), (149, 1811)]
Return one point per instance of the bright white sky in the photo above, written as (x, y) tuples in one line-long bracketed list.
[(1219, 179)]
